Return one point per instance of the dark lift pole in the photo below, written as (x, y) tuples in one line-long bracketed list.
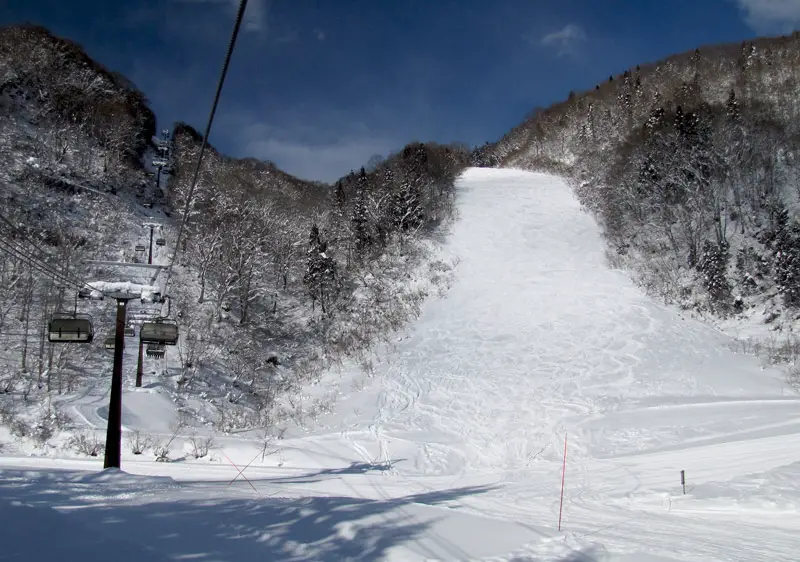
[(150, 254), (114, 428), (139, 367)]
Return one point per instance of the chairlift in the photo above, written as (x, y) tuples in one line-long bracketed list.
[(161, 331), (130, 331), (160, 242), (110, 341), (140, 247), (159, 162), (70, 328), (157, 350)]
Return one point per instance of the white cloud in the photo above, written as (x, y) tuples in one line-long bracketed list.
[(312, 153), (565, 40), (771, 16), (255, 15), (324, 163)]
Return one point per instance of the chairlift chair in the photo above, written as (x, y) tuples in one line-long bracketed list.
[(162, 331), (70, 328), (110, 341), (160, 242), (157, 350), (130, 331), (140, 247)]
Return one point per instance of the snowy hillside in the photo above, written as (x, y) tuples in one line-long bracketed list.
[(454, 450)]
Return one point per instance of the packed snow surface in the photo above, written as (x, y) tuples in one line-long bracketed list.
[(454, 449)]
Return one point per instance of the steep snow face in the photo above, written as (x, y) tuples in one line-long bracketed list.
[(538, 337)]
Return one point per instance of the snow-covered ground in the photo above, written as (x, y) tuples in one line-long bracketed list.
[(454, 450)]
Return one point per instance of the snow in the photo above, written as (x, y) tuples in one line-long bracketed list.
[(454, 449), (146, 292)]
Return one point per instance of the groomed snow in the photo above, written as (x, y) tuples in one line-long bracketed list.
[(454, 450)]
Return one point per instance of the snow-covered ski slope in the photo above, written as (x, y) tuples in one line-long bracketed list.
[(453, 451)]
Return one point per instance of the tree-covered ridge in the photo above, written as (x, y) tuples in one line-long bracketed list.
[(689, 163), (65, 90), (271, 281)]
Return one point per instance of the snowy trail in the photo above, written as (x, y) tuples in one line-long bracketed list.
[(538, 337), (454, 450)]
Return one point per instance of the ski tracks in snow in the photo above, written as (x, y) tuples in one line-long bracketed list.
[(538, 338)]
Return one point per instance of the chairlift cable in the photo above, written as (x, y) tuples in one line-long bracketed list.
[(17, 230), (19, 251), (44, 269), (228, 54), (43, 263), (15, 251)]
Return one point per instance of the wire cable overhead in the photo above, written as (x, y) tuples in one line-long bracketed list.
[(220, 83)]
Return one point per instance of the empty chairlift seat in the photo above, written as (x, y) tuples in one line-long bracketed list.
[(160, 242), (70, 328), (111, 341), (162, 331), (156, 350)]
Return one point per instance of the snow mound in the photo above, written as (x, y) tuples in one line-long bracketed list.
[(118, 477)]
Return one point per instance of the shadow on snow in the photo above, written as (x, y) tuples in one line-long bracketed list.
[(104, 519)]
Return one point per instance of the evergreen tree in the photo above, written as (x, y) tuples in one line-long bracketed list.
[(679, 119), (747, 262), (340, 196), (786, 251), (362, 232), (732, 107), (656, 119), (388, 179), (320, 276), (713, 265), (407, 207)]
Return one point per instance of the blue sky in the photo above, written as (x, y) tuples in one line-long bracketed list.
[(319, 86)]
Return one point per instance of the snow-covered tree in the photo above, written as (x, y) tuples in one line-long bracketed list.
[(712, 266), (320, 277)]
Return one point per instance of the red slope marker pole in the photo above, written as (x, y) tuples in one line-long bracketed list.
[(563, 472)]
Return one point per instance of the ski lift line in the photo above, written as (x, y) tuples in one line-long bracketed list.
[(47, 271), (16, 230), (61, 278), (217, 94), (33, 244)]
